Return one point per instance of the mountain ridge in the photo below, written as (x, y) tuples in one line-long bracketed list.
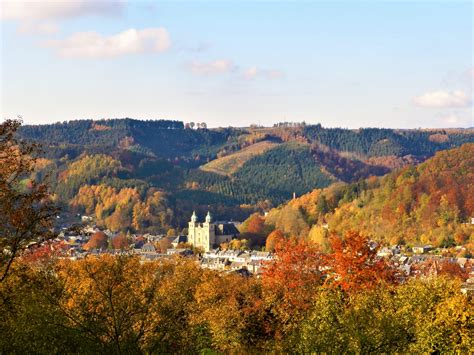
[(168, 157)]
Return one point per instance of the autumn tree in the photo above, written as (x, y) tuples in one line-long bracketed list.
[(238, 244), (98, 240), (164, 244), (353, 264), (26, 210), (110, 299), (253, 229), (230, 308), (255, 224), (290, 281), (120, 241), (45, 252), (423, 315), (273, 239)]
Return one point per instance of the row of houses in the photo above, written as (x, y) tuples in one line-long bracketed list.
[(236, 260), (409, 264)]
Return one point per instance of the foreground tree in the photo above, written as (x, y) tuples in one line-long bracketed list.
[(353, 264), (289, 283), (229, 309), (422, 316), (26, 210)]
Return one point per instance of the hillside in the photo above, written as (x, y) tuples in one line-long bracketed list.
[(162, 167), (229, 164), (427, 204), (273, 175)]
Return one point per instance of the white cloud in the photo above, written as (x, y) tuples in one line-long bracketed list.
[(40, 28), (221, 66), (95, 45), (57, 9), (226, 66), (443, 99)]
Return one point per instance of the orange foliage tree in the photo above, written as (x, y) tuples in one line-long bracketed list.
[(255, 224), (353, 264), (273, 239), (290, 281), (44, 253), (164, 244), (120, 241), (98, 240)]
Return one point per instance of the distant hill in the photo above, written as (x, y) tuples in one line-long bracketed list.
[(428, 204), (232, 171)]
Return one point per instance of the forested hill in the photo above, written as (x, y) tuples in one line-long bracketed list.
[(166, 169), (428, 204), (171, 139), (163, 138)]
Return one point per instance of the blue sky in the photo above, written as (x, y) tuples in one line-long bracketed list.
[(347, 64)]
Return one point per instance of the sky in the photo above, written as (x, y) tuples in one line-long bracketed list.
[(396, 64)]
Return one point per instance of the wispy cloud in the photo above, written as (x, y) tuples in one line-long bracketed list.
[(56, 10), (443, 99), (95, 45), (220, 66), (254, 73), (38, 28), (226, 66)]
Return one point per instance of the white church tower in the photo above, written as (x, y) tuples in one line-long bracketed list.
[(202, 235)]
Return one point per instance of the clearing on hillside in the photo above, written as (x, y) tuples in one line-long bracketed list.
[(231, 163)]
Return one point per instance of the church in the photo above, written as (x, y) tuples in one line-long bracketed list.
[(209, 235)]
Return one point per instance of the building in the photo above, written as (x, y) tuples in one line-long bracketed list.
[(209, 235), (422, 249)]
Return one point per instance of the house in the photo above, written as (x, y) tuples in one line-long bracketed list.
[(261, 255), (422, 249), (179, 239), (180, 251), (87, 219), (384, 252)]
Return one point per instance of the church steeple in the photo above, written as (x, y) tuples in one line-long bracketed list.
[(208, 217)]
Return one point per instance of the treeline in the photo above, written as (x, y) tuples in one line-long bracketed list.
[(169, 139), (306, 301), (385, 142), (162, 138), (84, 131)]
